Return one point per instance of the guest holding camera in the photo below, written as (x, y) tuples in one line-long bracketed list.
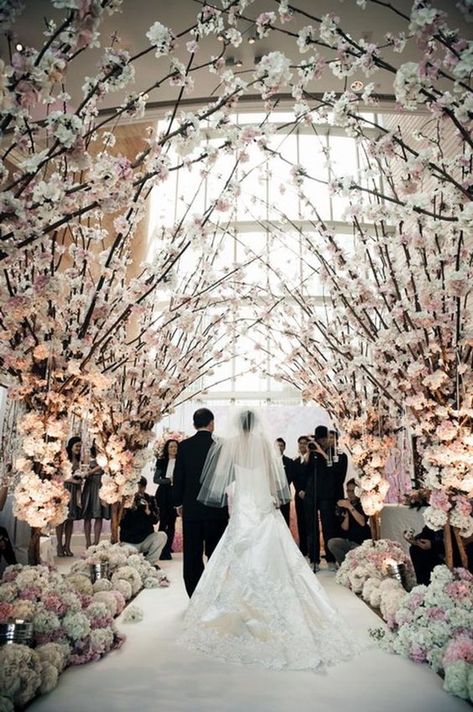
[(163, 477), (353, 525), (137, 526), (323, 488)]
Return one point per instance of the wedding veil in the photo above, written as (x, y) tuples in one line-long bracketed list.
[(246, 445)]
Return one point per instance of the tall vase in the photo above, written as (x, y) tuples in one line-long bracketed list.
[(375, 526), (117, 511), (34, 551), (419, 470), (447, 540), (461, 548)]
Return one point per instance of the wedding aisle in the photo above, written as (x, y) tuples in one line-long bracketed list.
[(150, 672)]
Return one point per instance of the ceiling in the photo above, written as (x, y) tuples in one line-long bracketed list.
[(138, 15)]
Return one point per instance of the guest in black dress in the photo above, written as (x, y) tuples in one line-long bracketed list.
[(74, 487), (92, 505), (163, 477)]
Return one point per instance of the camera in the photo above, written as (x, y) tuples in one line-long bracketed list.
[(140, 501), (311, 446)]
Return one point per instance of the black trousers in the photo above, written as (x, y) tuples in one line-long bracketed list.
[(325, 509), (167, 524), (301, 525), (286, 512), (424, 562), (6, 549), (199, 537)]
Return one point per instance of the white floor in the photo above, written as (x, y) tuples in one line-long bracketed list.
[(150, 672)]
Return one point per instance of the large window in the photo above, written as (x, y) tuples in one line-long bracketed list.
[(270, 229)]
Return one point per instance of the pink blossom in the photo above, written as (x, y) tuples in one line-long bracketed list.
[(5, 611), (439, 500), (418, 653), (53, 602), (416, 600), (32, 593), (436, 614), (459, 590), (460, 648)]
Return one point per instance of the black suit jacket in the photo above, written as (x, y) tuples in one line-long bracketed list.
[(300, 475), (327, 479), (288, 465), (190, 461)]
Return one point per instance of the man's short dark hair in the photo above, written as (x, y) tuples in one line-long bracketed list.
[(303, 437), (321, 431), (202, 418), (143, 482), (351, 482), (281, 440)]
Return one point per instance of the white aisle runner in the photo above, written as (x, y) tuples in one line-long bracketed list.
[(150, 672)]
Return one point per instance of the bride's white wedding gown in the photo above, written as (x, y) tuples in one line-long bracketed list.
[(258, 601)]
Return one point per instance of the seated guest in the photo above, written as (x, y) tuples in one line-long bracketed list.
[(354, 525), (288, 469), (426, 552), (137, 526)]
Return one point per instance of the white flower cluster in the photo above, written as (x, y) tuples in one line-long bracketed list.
[(162, 38), (273, 72)]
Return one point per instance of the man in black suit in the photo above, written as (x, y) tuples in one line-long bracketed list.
[(202, 526), (288, 467), (300, 470), (321, 495)]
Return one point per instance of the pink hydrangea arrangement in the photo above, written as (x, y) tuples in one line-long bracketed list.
[(434, 624), (70, 627)]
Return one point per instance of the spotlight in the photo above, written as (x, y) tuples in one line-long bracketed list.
[(238, 63), (357, 85), (220, 38), (19, 47), (251, 40)]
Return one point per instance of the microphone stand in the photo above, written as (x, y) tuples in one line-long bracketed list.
[(316, 523)]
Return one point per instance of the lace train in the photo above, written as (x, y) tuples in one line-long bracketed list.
[(259, 603)]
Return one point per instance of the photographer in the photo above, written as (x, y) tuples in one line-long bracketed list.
[(320, 496), (353, 525), (137, 526)]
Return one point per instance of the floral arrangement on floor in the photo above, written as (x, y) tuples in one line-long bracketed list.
[(129, 571), (434, 624), (367, 562), (71, 626), (73, 618)]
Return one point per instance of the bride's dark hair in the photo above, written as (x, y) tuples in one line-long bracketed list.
[(247, 421)]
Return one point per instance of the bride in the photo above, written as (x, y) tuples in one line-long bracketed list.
[(258, 601)]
